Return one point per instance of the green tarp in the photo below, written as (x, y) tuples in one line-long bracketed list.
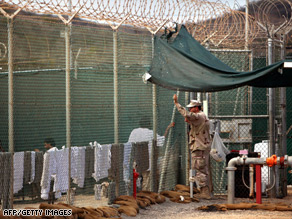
[(186, 65)]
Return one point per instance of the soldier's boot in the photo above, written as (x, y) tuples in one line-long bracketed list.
[(205, 193)]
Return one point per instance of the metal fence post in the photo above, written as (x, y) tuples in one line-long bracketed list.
[(154, 142), (271, 117), (284, 123), (10, 104), (116, 89), (153, 186), (250, 97), (68, 106), (10, 20), (115, 79)]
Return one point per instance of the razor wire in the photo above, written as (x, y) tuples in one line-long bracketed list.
[(207, 20)]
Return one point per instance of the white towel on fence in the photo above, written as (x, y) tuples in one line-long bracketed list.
[(102, 161), (32, 167), (127, 157), (78, 165), (18, 166), (52, 170), (62, 176)]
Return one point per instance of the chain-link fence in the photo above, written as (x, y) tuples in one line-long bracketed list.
[(98, 168), (112, 113)]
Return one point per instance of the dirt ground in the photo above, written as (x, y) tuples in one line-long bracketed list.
[(172, 210)]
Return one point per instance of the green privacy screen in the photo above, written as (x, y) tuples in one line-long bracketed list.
[(187, 66)]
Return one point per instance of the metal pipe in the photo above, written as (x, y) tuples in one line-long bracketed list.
[(41, 70), (154, 125), (116, 101), (116, 93), (289, 160), (191, 184), (250, 87), (271, 114), (258, 184), (10, 86), (251, 181), (230, 50), (238, 116), (192, 95), (10, 104), (199, 96), (231, 173), (187, 150), (70, 32), (270, 161), (68, 106), (284, 121)]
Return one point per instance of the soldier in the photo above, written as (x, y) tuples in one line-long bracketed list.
[(199, 143)]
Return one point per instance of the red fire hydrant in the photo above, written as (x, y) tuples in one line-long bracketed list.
[(135, 177)]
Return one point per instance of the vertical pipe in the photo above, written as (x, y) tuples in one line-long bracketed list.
[(199, 97), (70, 33), (191, 184), (250, 88), (258, 183), (116, 101), (216, 103), (154, 142), (284, 122), (10, 104), (231, 187), (68, 107), (116, 98), (271, 116), (192, 95), (187, 151), (135, 177), (251, 181)]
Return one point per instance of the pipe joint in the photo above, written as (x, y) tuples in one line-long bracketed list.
[(271, 161), (234, 161), (230, 168), (283, 161)]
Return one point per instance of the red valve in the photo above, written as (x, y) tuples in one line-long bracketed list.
[(135, 177), (272, 161)]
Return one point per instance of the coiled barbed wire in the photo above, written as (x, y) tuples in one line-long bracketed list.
[(212, 22)]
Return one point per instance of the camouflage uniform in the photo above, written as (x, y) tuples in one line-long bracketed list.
[(200, 144)]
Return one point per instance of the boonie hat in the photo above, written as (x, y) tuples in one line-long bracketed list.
[(194, 103)]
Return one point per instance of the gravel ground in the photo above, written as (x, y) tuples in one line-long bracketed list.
[(172, 210)]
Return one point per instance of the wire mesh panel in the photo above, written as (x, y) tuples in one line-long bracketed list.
[(238, 130), (172, 169), (99, 169), (92, 93), (4, 84)]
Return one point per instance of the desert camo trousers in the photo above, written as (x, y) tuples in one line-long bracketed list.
[(200, 163)]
